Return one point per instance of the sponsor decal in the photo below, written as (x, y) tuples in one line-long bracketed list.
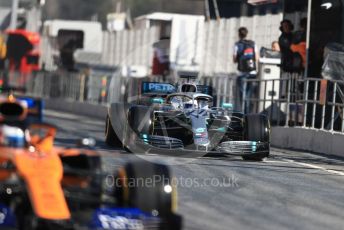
[(200, 135), (160, 87), (200, 130), (7, 219), (120, 223)]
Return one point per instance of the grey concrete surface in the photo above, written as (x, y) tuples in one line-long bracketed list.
[(85, 109), (289, 190)]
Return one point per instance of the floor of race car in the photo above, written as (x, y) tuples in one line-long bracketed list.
[(289, 190)]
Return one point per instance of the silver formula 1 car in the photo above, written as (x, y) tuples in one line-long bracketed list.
[(181, 121)]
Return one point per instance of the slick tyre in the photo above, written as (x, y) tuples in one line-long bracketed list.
[(257, 128), (157, 198), (111, 138), (140, 119)]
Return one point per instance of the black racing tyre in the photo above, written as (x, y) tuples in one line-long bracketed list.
[(257, 128), (149, 187), (32, 223), (78, 168), (111, 137), (140, 119), (27, 220)]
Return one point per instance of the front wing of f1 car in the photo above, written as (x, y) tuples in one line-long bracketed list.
[(174, 147), (106, 218)]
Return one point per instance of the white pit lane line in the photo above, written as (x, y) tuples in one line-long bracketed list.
[(330, 171)]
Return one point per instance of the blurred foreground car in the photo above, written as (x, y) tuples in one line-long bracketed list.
[(48, 187), (181, 121)]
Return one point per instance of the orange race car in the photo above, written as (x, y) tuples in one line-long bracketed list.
[(48, 187)]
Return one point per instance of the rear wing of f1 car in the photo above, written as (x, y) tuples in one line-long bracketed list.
[(149, 88), (158, 88)]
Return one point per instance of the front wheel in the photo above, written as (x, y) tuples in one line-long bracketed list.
[(111, 137), (149, 187), (257, 128), (140, 119)]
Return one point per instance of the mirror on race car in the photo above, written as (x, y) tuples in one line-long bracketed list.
[(12, 111)]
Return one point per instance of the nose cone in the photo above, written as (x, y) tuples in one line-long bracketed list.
[(201, 137), (200, 131)]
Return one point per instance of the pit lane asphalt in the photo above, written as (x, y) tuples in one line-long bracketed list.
[(290, 190)]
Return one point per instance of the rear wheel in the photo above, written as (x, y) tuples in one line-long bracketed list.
[(111, 137), (257, 129), (90, 184), (149, 187)]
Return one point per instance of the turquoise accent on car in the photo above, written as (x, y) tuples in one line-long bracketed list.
[(158, 100), (254, 146), (222, 129), (200, 130), (145, 138), (227, 105)]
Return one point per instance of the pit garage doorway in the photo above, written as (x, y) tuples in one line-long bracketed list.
[(326, 27)]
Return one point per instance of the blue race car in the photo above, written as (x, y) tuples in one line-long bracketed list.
[(48, 187)]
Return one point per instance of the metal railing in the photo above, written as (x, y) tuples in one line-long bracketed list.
[(278, 98), (309, 103), (324, 104), (224, 89), (79, 87)]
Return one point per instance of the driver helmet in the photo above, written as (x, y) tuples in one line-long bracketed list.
[(11, 136), (176, 103)]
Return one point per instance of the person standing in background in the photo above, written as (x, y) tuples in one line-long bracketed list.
[(246, 56), (275, 46), (285, 41), (299, 43), (3, 52)]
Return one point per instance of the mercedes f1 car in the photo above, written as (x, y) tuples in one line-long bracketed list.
[(47, 187), (181, 121)]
